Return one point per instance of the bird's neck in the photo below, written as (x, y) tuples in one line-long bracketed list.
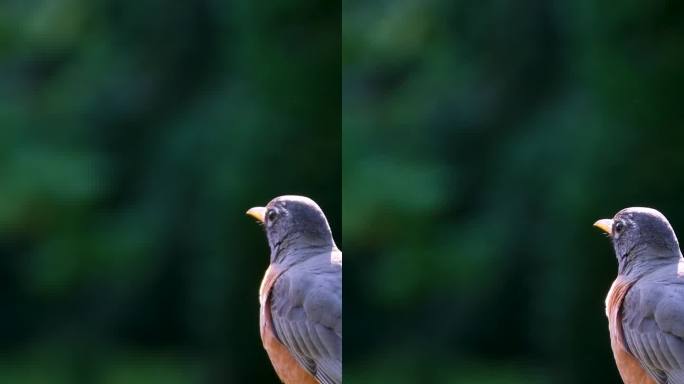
[(644, 260), (295, 248)]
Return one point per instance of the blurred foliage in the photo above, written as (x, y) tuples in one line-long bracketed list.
[(481, 140), (134, 136)]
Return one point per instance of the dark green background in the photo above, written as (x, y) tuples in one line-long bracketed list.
[(133, 137), (481, 140)]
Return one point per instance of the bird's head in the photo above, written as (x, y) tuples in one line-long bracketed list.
[(642, 237), (293, 222)]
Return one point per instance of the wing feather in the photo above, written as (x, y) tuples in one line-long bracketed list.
[(306, 311), (653, 325)]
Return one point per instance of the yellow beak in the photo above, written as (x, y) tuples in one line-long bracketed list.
[(258, 213), (606, 225)]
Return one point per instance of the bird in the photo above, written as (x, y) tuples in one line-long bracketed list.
[(645, 304), (300, 296)]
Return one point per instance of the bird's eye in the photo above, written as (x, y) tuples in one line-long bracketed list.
[(619, 226), (271, 215)]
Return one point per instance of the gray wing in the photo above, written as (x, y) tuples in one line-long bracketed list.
[(653, 327), (306, 310)]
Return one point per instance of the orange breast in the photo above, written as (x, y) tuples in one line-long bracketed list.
[(629, 367), (288, 369)]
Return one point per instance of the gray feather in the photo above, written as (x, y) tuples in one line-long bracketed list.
[(306, 310)]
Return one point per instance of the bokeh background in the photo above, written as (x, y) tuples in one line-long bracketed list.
[(481, 140), (133, 137)]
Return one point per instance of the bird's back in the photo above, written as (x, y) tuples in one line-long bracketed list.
[(653, 324), (306, 310)]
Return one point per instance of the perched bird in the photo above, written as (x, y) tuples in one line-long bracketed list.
[(645, 305), (301, 292)]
